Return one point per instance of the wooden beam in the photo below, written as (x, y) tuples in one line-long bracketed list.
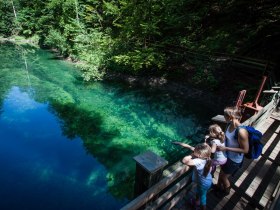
[(270, 91), (156, 189), (171, 192)]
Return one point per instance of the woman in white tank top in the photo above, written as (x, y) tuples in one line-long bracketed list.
[(235, 149)]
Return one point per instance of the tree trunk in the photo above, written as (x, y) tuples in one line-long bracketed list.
[(15, 13)]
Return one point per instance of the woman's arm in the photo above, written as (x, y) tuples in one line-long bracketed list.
[(243, 140), (184, 145), (243, 143)]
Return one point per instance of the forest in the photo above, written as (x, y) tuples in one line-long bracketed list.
[(146, 37)]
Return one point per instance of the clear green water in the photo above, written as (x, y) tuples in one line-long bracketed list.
[(69, 145)]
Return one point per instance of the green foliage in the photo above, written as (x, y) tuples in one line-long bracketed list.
[(57, 40), (137, 60), (92, 50), (204, 77), (140, 31)]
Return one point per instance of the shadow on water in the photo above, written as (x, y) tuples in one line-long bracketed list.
[(163, 105), (97, 141)]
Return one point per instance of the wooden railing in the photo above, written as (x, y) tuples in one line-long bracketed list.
[(264, 113), (143, 200), (251, 66), (169, 190)]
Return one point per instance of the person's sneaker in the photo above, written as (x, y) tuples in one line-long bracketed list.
[(193, 204)]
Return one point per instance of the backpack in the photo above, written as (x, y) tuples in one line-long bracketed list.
[(255, 145)]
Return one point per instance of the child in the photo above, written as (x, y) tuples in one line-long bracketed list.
[(217, 137), (201, 161)]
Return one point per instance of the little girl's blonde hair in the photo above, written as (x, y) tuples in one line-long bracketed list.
[(215, 131), (203, 151)]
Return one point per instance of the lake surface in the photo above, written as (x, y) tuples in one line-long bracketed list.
[(66, 144)]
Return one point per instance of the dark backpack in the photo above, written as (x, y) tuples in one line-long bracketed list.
[(255, 145)]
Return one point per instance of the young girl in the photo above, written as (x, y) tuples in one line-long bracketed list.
[(235, 148), (217, 137), (201, 161)]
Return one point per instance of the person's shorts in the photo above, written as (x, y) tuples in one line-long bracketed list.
[(231, 167), (218, 163)]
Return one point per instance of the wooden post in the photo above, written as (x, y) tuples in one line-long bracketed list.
[(149, 168), (220, 120)]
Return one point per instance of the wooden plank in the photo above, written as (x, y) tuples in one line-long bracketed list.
[(270, 91), (154, 190), (248, 65), (255, 59), (265, 126), (264, 192), (271, 139), (171, 192), (258, 122), (251, 63), (268, 150), (276, 197), (177, 198), (252, 119), (223, 202), (275, 151), (254, 184), (245, 174)]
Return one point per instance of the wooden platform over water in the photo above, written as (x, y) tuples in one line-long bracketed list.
[(256, 185)]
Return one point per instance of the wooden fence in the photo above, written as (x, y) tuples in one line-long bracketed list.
[(170, 189)]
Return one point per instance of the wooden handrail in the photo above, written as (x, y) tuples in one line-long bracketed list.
[(254, 61), (156, 189), (264, 112)]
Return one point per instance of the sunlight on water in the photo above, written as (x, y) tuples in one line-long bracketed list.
[(72, 144)]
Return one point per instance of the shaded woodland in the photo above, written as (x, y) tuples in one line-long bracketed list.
[(149, 37)]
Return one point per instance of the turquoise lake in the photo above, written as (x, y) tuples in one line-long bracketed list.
[(66, 144)]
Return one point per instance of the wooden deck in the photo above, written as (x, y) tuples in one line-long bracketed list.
[(256, 184)]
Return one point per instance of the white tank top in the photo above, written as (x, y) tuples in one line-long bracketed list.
[(232, 142), (219, 155)]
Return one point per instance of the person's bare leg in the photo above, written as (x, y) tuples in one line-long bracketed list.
[(225, 182), (220, 181)]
